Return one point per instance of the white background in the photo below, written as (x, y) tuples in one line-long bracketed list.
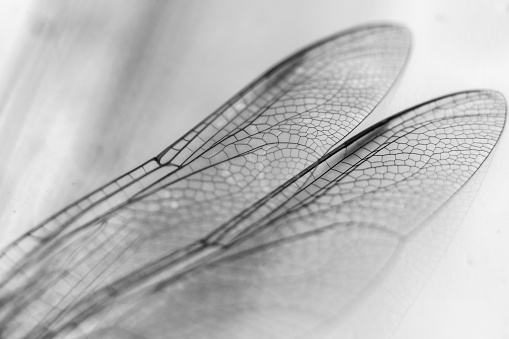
[(74, 141)]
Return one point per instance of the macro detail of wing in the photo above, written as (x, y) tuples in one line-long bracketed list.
[(445, 139), (290, 265), (55, 275), (293, 114), (294, 266), (307, 251)]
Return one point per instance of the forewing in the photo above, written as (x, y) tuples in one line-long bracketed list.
[(269, 132), (283, 121), (284, 270)]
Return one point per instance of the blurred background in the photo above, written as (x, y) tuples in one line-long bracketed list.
[(90, 89)]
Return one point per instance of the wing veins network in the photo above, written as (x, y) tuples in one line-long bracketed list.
[(303, 203), (260, 111), (245, 123), (357, 34), (297, 236), (232, 133), (357, 38), (306, 188)]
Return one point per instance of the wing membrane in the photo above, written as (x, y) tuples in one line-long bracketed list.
[(307, 253), (295, 113), (310, 248), (313, 256), (269, 132), (444, 138)]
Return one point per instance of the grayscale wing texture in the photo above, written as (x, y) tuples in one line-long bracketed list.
[(255, 224), (273, 129)]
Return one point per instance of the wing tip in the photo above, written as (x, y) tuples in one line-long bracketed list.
[(383, 26), (498, 96), (494, 96), (404, 36)]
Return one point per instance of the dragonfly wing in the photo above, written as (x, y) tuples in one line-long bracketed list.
[(305, 104), (269, 132), (292, 267)]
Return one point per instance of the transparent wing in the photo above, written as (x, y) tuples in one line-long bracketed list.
[(310, 249), (269, 132)]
